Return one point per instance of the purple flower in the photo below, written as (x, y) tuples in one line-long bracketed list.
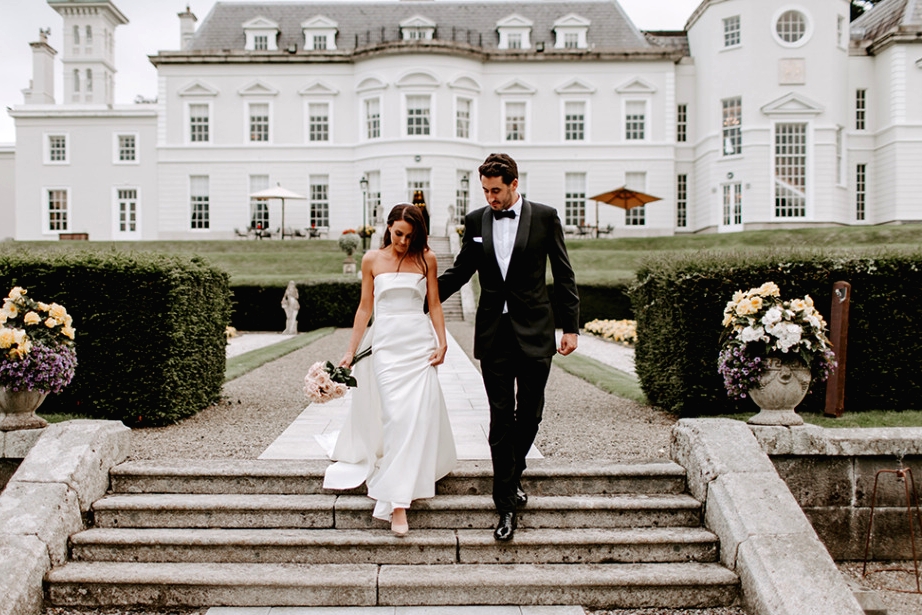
[(45, 368)]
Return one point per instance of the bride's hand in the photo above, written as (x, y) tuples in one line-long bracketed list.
[(346, 361), (438, 357)]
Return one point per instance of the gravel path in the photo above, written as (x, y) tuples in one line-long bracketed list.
[(580, 423)]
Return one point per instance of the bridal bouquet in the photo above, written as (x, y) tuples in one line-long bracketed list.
[(325, 382), (758, 324)]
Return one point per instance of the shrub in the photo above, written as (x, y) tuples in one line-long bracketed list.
[(150, 328), (679, 301), (601, 302)]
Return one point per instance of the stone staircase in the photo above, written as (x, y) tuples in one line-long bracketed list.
[(265, 533), (442, 248)]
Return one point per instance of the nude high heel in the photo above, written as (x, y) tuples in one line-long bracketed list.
[(399, 524)]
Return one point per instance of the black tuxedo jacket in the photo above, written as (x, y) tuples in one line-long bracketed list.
[(539, 240)]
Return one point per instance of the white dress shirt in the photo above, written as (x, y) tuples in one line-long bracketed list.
[(504, 231)]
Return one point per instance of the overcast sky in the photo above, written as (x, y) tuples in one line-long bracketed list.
[(153, 26)]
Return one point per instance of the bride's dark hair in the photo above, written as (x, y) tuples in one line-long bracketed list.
[(418, 236)]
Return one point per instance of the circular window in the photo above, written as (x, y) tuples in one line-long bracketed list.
[(791, 27)]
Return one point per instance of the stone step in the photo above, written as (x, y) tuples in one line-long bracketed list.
[(670, 585), (532, 546), (305, 477), (354, 511)]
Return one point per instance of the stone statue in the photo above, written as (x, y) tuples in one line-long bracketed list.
[(291, 306)]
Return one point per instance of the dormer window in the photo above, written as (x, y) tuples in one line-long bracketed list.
[(261, 34), (319, 33), (570, 32), (514, 32), (417, 28)]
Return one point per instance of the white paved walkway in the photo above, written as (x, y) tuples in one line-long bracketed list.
[(468, 412)]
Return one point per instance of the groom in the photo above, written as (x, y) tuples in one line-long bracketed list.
[(509, 245)]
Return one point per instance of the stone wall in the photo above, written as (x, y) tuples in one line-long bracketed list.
[(831, 474)]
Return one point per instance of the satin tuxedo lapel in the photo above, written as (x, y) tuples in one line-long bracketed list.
[(521, 237), (489, 248)]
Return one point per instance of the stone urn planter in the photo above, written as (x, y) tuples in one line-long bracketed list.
[(781, 388), (17, 409)]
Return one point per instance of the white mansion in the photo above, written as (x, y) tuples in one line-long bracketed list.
[(760, 114)]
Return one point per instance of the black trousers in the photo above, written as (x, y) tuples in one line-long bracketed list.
[(515, 389)]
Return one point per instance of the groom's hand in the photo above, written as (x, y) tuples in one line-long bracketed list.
[(568, 343)]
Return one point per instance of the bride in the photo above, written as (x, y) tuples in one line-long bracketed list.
[(396, 438)]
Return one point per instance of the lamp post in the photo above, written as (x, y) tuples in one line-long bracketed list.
[(363, 183)]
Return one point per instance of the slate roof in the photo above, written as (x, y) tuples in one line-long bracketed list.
[(610, 29), (887, 16)]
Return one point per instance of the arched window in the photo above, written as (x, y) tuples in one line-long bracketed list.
[(76, 80), (89, 80), (89, 35), (76, 35)]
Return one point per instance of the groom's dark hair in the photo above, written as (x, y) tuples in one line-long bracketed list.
[(500, 165)]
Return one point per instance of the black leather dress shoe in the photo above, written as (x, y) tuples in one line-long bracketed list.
[(521, 498), (505, 528)]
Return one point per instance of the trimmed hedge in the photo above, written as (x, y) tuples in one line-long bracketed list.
[(679, 302), (333, 304), (323, 304), (150, 330)]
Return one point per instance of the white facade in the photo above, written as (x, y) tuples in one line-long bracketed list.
[(751, 118), (7, 191)]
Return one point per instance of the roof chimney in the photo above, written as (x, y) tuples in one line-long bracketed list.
[(186, 27), (41, 88)]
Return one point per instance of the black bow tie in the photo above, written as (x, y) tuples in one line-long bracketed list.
[(506, 213)]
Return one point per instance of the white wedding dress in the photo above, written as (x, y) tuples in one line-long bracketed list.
[(396, 437)]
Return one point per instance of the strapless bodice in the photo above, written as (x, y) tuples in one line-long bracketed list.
[(401, 292)]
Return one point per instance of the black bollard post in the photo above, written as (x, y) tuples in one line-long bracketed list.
[(838, 336)]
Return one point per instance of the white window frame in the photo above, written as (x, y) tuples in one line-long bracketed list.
[(861, 192), (419, 178), (207, 228), (319, 179), (117, 233), (249, 114), (117, 148), (365, 118), (470, 118), (307, 121), (527, 132), (729, 33), (636, 212), (46, 146), (808, 26), (46, 215), (724, 130), (271, 34), (187, 123), (861, 109), (256, 204), (574, 203), (731, 212), (842, 31), (406, 115), (523, 31), (808, 170), (563, 119), (646, 119), (681, 133), (681, 200)]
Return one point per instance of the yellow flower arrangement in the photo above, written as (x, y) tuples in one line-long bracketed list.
[(621, 331)]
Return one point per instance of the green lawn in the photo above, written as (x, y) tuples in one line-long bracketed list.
[(596, 261)]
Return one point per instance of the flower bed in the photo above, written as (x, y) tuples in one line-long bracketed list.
[(621, 331)]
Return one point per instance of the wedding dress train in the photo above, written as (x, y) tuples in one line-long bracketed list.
[(396, 437)]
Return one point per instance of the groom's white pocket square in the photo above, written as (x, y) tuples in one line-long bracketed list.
[(478, 239)]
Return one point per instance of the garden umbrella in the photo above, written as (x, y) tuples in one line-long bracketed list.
[(278, 193), (622, 197)]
